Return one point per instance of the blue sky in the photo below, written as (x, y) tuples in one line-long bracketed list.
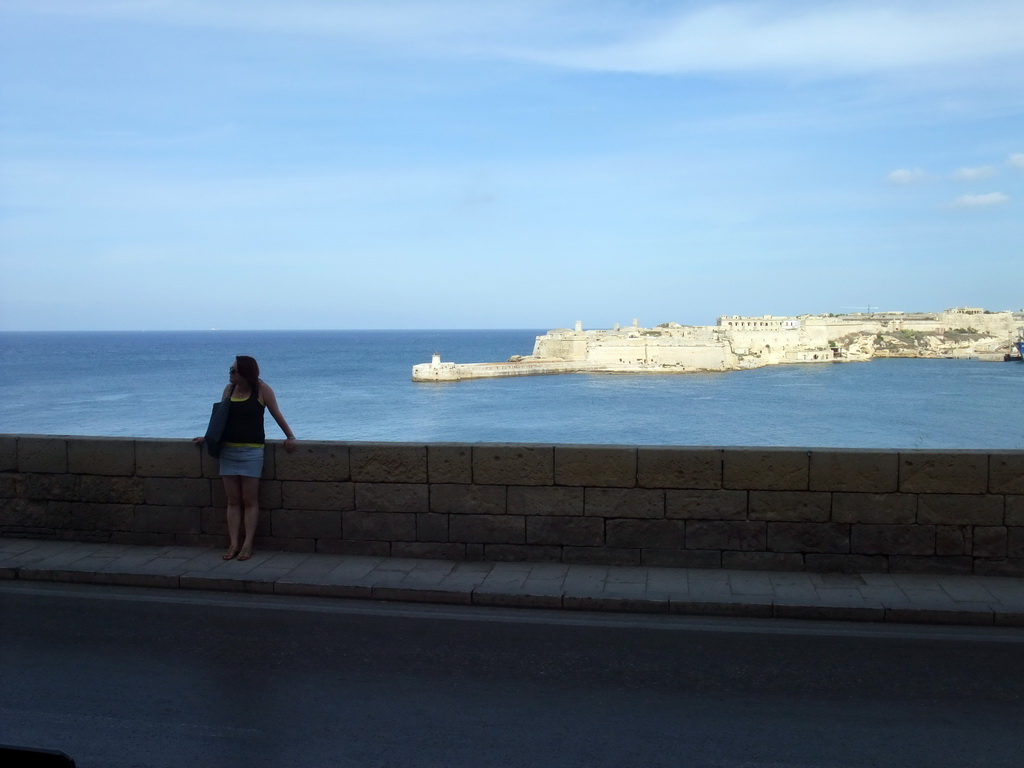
[(248, 164)]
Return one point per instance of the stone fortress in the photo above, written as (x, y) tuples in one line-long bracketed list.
[(737, 343)]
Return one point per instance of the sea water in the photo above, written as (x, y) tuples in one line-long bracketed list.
[(356, 385)]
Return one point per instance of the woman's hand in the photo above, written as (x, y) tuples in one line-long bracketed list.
[(199, 440), (289, 445)]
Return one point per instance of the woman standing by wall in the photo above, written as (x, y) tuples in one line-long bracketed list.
[(241, 451)]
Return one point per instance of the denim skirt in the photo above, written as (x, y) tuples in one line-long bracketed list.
[(245, 461)]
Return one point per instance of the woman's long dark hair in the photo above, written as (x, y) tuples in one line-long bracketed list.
[(249, 370)]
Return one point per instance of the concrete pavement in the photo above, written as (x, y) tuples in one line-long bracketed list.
[(901, 598)]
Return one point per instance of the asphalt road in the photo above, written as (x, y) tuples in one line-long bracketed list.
[(132, 677)]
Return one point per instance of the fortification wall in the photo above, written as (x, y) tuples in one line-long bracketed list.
[(791, 509), (567, 345), (656, 351)]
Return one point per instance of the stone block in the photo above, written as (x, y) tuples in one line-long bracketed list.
[(951, 472), (557, 531), (954, 539), (47, 487), (27, 513), (989, 541), (595, 466), (432, 527), (513, 464), (1014, 512), (624, 502), (726, 535), (892, 539), (685, 468), (270, 451), (11, 485), (467, 499), (601, 556), (932, 564), (378, 526), (816, 563), (170, 519), (449, 463), (167, 458), (957, 509), (343, 547), (765, 469), (790, 506), (1015, 541), (820, 538), (306, 524), (487, 529), (428, 550), (554, 500), (706, 505), (337, 496), (101, 456), (859, 471), (1008, 566), (388, 463), (102, 517), (653, 557), (1006, 472), (881, 508), (176, 491), (110, 490), (214, 523), (208, 465), (763, 561), (314, 460), (42, 454), (392, 497), (271, 493), (8, 453), (522, 553), (658, 534)]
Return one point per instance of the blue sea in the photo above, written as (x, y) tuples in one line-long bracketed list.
[(355, 385)]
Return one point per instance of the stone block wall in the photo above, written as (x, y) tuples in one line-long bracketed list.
[(756, 508)]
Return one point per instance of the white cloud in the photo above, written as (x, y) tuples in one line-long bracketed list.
[(905, 176), (1016, 160), (975, 174), (987, 200)]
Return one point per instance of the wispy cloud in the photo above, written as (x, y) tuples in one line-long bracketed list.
[(975, 174), (906, 176), (1016, 160), (808, 39), (987, 200)]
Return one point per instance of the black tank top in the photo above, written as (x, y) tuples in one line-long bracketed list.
[(245, 421)]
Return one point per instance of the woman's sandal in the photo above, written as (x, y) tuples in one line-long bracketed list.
[(230, 554), (244, 555)]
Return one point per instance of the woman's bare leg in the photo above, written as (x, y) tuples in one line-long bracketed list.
[(233, 492), (250, 487)]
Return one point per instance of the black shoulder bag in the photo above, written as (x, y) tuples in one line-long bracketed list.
[(218, 421)]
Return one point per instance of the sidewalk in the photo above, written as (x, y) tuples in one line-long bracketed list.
[(905, 598)]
